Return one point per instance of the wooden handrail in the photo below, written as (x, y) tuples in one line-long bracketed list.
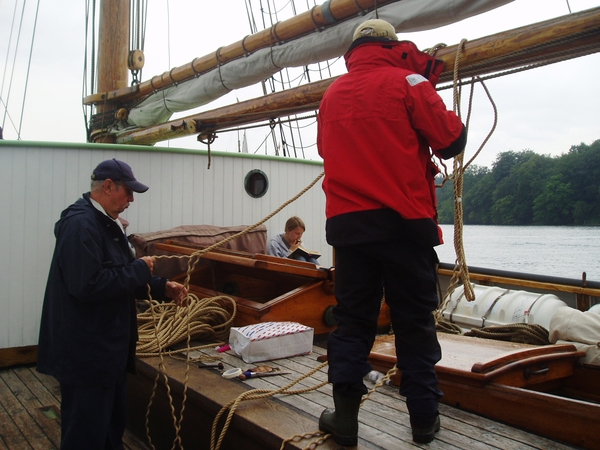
[(496, 279), (521, 355), (248, 260)]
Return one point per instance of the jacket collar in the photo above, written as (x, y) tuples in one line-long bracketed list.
[(370, 53)]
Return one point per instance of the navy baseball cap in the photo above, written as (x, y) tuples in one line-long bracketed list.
[(118, 171)]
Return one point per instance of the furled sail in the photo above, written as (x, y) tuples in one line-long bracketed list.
[(523, 48), (321, 45)]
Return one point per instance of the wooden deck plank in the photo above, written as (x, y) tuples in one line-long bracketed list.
[(35, 385), (28, 395), (374, 427), (17, 402), (386, 424), (132, 442), (46, 408), (32, 391), (10, 435), (257, 424), (384, 420), (50, 383)]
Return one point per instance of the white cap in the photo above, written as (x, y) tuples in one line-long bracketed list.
[(375, 28)]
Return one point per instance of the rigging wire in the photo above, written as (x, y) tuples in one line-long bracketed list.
[(5, 69), (137, 31), (250, 15), (169, 33), (13, 68), (37, 9), (289, 139), (92, 60), (168, 55)]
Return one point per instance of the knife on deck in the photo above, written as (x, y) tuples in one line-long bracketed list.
[(249, 374)]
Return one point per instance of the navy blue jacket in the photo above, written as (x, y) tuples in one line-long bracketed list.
[(88, 330)]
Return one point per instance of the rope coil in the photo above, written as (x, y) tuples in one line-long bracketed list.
[(162, 325), (524, 333)]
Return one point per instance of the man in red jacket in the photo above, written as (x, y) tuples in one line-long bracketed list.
[(379, 126)]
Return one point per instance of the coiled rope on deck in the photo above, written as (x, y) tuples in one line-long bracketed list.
[(164, 324), (524, 333)]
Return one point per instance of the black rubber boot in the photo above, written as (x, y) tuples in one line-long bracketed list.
[(425, 433), (342, 421)]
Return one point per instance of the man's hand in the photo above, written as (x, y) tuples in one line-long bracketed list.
[(177, 293), (149, 260)]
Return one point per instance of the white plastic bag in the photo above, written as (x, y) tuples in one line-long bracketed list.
[(271, 340)]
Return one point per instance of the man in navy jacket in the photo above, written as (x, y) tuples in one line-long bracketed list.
[(88, 330)]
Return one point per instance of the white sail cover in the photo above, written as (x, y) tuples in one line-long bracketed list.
[(322, 45)]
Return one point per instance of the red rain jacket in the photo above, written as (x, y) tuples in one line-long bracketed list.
[(377, 124)]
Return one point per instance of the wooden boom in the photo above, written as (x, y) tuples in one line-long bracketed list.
[(542, 43), (292, 28)]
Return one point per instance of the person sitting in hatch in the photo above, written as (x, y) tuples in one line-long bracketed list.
[(289, 244)]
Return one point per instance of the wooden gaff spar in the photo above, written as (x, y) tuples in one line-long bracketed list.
[(302, 24), (553, 40), (319, 35)]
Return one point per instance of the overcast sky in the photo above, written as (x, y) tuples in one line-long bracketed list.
[(546, 110)]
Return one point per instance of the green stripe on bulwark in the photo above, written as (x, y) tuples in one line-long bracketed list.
[(151, 149)]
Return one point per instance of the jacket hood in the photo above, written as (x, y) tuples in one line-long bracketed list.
[(81, 206), (371, 53)]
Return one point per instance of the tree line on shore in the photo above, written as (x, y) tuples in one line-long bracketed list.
[(526, 188)]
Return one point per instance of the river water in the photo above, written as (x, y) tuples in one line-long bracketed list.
[(545, 250)]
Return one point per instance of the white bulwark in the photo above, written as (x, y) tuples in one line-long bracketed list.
[(39, 180)]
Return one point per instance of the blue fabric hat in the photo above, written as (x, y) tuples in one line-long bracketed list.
[(118, 171)]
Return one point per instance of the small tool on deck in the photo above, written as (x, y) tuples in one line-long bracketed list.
[(218, 365), (261, 371), (248, 374)]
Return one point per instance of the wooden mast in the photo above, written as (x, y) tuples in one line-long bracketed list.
[(113, 50), (549, 41)]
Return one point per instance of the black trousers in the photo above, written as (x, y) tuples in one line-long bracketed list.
[(93, 417), (405, 272)]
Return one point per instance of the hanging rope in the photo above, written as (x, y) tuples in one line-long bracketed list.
[(460, 272), (164, 325), (162, 371), (255, 394), (458, 174)]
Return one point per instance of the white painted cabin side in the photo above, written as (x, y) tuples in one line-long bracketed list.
[(39, 180)]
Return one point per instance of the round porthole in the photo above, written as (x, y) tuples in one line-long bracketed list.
[(256, 183)]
